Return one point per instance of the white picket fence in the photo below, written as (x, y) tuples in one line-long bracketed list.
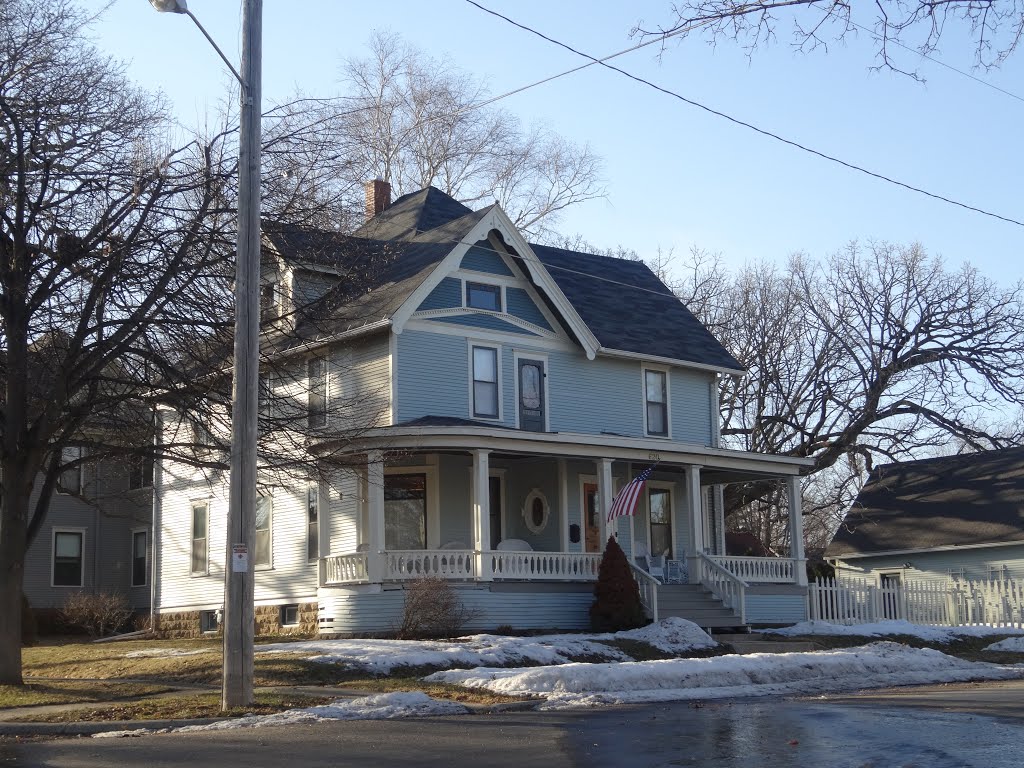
[(998, 603)]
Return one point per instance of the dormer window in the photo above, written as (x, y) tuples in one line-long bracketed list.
[(483, 296), (268, 301)]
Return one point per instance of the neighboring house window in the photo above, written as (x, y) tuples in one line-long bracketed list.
[(483, 296), (140, 472), (957, 574), (200, 537), (289, 615), (264, 513), (405, 512), (656, 400), (317, 414), (70, 480), (312, 523), (268, 301), (485, 382), (998, 572), (660, 505), (208, 621), (68, 561), (139, 558), (265, 395), (202, 421)]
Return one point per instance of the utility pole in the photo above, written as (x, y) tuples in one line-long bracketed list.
[(239, 577)]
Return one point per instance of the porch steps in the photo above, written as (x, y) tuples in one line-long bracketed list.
[(696, 604), (755, 642)]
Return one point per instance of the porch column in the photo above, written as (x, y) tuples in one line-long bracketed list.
[(375, 515), (695, 541), (563, 505), (796, 530), (482, 514), (604, 493)]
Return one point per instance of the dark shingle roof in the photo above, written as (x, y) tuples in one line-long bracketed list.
[(628, 308), (974, 498), (413, 214)]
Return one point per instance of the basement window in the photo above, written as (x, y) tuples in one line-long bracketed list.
[(208, 621), (290, 615)]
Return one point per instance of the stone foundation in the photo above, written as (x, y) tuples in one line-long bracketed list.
[(268, 622)]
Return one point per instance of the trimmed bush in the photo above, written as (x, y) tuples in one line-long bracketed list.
[(616, 596), (432, 609), (100, 614)]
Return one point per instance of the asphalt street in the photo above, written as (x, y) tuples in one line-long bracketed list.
[(968, 726)]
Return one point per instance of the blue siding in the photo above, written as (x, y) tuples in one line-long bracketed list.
[(539, 608), (446, 295), (776, 609), (521, 305), (456, 506), (691, 406), (432, 373), (482, 258), (1007, 561), (488, 322), (519, 481), (594, 396)]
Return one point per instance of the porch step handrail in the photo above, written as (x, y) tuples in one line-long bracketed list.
[(648, 586), (726, 586), (765, 570)]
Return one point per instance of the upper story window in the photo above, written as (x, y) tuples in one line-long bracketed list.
[(264, 516), (70, 479), (200, 537), (656, 402), (312, 522), (140, 472), (317, 373), (483, 296), (485, 382), (268, 301)]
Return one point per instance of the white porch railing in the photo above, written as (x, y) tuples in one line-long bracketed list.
[(545, 566), (456, 564), (757, 570), (343, 569), (728, 588), (648, 586)]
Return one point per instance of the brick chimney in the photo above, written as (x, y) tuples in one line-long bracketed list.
[(378, 197)]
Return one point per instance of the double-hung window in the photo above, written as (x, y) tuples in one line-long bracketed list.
[(312, 523), (68, 560), (140, 472), (264, 515), (656, 402), (139, 558), (317, 376), (483, 296), (485, 382), (200, 537), (70, 479)]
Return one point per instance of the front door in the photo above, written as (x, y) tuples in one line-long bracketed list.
[(591, 522), (531, 395)]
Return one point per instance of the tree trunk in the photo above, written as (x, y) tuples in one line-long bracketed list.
[(12, 573)]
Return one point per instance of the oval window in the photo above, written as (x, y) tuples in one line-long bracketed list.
[(536, 511)]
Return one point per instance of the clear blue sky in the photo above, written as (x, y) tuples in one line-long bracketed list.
[(676, 176)]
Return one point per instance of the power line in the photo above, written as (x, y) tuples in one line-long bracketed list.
[(751, 126)]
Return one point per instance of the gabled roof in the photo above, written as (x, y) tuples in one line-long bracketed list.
[(963, 500), (628, 308)]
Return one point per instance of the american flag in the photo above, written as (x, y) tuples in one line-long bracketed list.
[(626, 500)]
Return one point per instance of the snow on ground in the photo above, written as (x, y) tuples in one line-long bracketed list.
[(893, 627), (385, 706), (672, 635), (1012, 644), (149, 653), (872, 666)]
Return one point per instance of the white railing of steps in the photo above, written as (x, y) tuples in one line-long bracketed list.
[(545, 566), (343, 569), (400, 565), (763, 570), (728, 588), (648, 586)]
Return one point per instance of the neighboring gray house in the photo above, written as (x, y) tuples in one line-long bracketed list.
[(507, 390), (959, 517), (96, 536)]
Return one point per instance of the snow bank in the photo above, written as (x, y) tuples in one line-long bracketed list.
[(892, 627), (1012, 644), (871, 666), (385, 706), (152, 653), (671, 635)]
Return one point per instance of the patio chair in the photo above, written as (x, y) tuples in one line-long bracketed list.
[(514, 545)]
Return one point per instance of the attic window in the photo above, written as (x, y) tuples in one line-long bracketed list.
[(483, 296), (268, 301)]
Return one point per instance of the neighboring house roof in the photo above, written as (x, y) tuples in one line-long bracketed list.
[(622, 303), (963, 500)]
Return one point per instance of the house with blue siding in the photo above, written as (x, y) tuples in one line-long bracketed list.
[(506, 391), (948, 518)]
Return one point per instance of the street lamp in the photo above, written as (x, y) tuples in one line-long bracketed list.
[(239, 581)]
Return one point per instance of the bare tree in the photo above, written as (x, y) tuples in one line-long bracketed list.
[(994, 27), (878, 353), (416, 122)]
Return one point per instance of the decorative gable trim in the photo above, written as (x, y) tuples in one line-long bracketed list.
[(621, 353)]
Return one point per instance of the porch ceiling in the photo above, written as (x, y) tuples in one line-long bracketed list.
[(725, 466)]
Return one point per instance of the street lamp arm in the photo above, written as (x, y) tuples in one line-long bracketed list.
[(227, 62)]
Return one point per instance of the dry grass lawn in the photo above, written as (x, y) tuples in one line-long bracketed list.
[(73, 692)]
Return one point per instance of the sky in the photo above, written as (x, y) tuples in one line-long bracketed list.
[(676, 176)]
